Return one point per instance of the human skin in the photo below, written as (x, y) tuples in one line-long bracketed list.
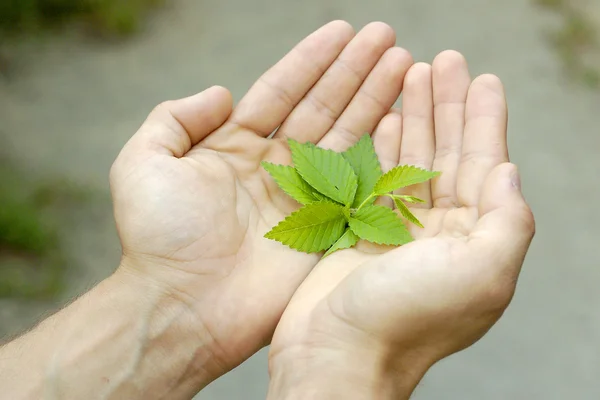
[(368, 322), (199, 289)]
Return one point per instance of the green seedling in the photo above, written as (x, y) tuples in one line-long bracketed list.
[(337, 192)]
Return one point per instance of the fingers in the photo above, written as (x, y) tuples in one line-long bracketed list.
[(372, 101), (386, 140), (276, 93), (418, 141), (506, 225), (451, 82), (484, 141), (326, 101), (175, 126)]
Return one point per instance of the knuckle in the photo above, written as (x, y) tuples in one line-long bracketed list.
[(161, 108), (322, 107)]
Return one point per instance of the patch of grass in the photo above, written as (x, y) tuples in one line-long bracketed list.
[(591, 77), (576, 39), (104, 16), (32, 262), (556, 4), (121, 17), (29, 277)]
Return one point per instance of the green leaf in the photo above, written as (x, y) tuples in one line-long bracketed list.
[(406, 213), (290, 181), (347, 240), (366, 166), (379, 225), (326, 171), (402, 176), (410, 199), (313, 228)]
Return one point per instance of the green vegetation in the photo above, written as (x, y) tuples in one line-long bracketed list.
[(103, 16), (575, 41), (32, 213), (32, 263), (337, 191)]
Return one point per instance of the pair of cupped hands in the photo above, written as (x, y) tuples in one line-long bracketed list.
[(192, 205)]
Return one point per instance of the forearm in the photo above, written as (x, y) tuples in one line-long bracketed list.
[(342, 374), (123, 339)]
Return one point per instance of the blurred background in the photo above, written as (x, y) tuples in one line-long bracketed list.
[(77, 77)]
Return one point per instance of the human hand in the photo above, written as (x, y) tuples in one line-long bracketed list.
[(192, 203), (368, 322)]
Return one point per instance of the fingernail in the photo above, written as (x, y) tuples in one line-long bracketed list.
[(515, 179)]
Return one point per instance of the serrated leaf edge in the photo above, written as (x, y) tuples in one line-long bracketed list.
[(379, 171), (403, 185), (405, 211), (379, 242), (312, 194), (312, 146), (329, 252), (269, 234)]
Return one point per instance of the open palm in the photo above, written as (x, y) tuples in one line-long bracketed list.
[(443, 291), (192, 203)]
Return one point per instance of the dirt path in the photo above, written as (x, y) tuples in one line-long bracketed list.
[(72, 109)]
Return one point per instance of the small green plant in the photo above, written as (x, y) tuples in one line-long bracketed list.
[(338, 192)]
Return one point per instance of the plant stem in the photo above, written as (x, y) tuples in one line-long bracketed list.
[(366, 200)]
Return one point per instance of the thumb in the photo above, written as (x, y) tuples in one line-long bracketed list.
[(506, 225), (174, 126)]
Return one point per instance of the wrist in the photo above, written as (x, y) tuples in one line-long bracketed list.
[(126, 338), (176, 332), (209, 306), (366, 370)]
